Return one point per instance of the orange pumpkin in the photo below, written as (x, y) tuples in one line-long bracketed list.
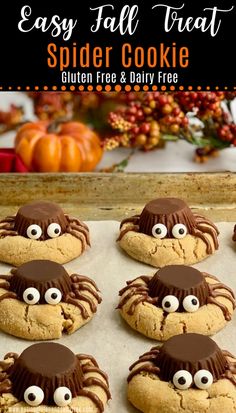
[(73, 147)]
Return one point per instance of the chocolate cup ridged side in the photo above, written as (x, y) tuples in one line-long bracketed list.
[(55, 215), (170, 281), (214, 361), (23, 377), (166, 211), (39, 269)]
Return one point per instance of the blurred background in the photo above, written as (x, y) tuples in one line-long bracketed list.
[(138, 132)]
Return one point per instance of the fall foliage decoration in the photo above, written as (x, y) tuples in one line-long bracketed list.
[(150, 119)]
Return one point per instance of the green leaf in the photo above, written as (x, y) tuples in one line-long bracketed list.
[(167, 137)]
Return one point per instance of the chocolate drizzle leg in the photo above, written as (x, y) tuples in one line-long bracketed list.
[(81, 283), (134, 288), (169, 212), (215, 291), (146, 362), (89, 365)]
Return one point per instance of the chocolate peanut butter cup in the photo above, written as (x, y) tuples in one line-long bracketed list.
[(179, 281), (191, 352), (50, 374), (167, 212), (41, 275), (48, 366), (33, 220)]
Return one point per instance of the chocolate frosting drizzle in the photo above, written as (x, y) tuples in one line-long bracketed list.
[(180, 281), (191, 352), (45, 274), (171, 211), (49, 366), (44, 213)]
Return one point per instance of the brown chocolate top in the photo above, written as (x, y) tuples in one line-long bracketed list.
[(42, 275), (48, 366), (165, 206), (41, 213), (41, 210), (191, 352), (180, 281), (166, 211)]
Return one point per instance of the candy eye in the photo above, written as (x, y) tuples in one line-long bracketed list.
[(31, 296), (34, 231), (159, 231), (191, 303), (53, 296), (203, 379), (62, 396), (170, 303), (54, 230), (179, 231), (182, 379), (33, 396)]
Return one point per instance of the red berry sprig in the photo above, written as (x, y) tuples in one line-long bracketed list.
[(149, 117), (227, 133), (205, 104)]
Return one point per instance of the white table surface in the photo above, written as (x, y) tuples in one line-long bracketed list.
[(176, 157)]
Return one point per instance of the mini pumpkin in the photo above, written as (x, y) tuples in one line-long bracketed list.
[(68, 147)]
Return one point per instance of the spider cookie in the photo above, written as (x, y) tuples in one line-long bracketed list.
[(177, 299), (49, 377), (39, 301), (168, 232), (189, 373), (41, 230)]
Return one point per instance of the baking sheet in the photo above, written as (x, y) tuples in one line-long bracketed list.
[(107, 337)]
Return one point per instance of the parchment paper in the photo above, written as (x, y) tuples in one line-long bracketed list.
[(107, 337)]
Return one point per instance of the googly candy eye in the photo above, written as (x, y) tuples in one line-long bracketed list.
[(170, 303), (53, 296), (179, 231), (34, 231), (62, 396), (33, 396), (159, 231), (182, 379), (54, 230), (31, 296), (203, 379), (191, 303)]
